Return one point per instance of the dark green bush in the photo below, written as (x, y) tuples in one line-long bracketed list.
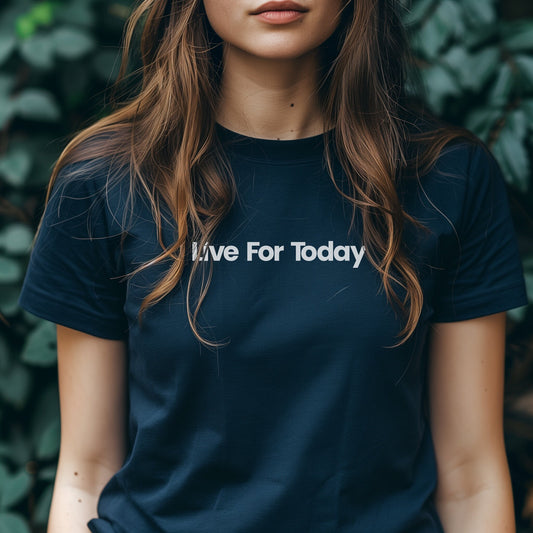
[(57, 57)]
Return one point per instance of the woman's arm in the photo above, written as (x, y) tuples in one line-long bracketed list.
[(466, 375), (92, 391)]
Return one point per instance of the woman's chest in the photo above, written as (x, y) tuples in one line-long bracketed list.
[(283, 277)]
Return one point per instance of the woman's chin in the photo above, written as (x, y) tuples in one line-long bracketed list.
[(275, 51)]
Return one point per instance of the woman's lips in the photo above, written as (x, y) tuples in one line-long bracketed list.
[(280, 17), (280, 12)]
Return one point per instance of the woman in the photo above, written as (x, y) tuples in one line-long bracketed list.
[(279, 293)]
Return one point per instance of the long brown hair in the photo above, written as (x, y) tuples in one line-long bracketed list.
[(165, 135)]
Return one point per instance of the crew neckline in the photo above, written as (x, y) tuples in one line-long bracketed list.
[(272, 150)]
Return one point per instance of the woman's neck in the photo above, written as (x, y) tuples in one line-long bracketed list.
[(271, 99)]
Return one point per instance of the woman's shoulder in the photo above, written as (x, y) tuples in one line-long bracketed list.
[(81, 177), (75, 268), (464, 167), (464, 160), (87, 193), (445, 155), (94, 160), (453, 175), (436, 145), (87, 162)]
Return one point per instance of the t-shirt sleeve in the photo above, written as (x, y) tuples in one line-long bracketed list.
[(483, 273), (74, 277)]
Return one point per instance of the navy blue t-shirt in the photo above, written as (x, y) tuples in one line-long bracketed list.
[(306, 421)]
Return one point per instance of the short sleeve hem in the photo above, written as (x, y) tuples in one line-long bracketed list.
[(508, 298), (65, 314)]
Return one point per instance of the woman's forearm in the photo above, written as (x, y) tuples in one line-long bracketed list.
[(489, 509), (72, 507), (76, 491)]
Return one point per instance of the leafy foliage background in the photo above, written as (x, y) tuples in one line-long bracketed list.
[(56, 59)]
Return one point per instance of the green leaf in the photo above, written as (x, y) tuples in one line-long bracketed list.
[(482, 35), (445, 22), (517, 123), (77, 13), (40, 14), (511, 152), (527, 107), (439, 84), (13, 523), (528, 276), (7, 110), (48, 473), (18, 449), (42, 508), (30, 318), (525, 66), (40, 346), (48, 443), (46, 424), (7, 45), (7, 83), (483, 65), (43, 13), (518, 36), (5, 451), (472, 70), (10, 270), (9, 13), (9, 299), (5, 356), (501, 90), (431, 38), (15, 166), (417, 11), (15, 385), (72, 43), (14, 488), (479, 13), (16, 239), (449, 18), (25, 26), (457, 58), (527, 263), (38, 51), (449, 14), (518, 314), (37, 104)]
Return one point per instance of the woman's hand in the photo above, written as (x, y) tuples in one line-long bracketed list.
[(92, 390), (466, 377)]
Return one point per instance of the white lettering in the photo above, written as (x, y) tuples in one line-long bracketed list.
[(302, 252), (327, 250), (358, 255), (298, 245), (251, 250), (342, 253), (309, 253), (265, 252), (231, 253)]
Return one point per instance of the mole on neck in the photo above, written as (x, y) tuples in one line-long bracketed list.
[(270, 99)]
